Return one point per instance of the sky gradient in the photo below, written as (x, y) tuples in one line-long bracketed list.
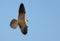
[(43, 16)]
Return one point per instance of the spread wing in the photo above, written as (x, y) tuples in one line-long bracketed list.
[(14, 24), (21, 19)]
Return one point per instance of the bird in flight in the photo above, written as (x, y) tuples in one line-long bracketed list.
[(21, 22)]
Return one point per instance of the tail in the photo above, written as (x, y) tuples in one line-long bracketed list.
[(14, 24)]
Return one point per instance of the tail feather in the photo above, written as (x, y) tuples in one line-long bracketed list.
[(14, 24)]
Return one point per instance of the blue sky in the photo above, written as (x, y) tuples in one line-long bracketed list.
[(43, 16)]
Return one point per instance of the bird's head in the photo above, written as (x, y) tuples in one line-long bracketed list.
[(26, 20)]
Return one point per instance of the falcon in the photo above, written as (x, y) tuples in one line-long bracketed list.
[(21, 22)]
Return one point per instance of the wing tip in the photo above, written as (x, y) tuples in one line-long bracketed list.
[(24, 30), (21, 8)]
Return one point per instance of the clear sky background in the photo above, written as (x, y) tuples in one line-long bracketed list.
[(43, 16)]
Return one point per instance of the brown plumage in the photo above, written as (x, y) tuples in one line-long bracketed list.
[(21, 20)]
